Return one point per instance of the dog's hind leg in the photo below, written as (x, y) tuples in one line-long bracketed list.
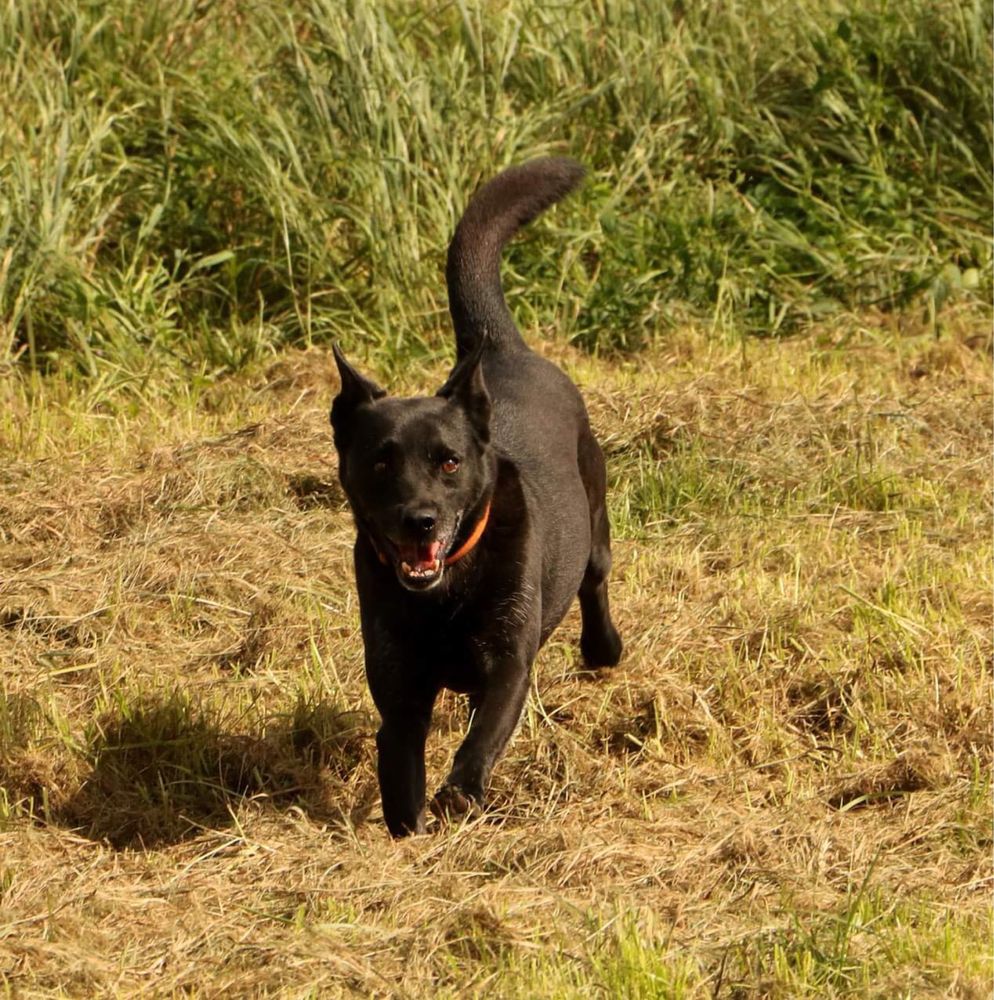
[(600, 642)]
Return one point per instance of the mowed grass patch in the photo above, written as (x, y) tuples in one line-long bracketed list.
[(783, 790)]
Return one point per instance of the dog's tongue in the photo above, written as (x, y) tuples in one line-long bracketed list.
[(420, 556)]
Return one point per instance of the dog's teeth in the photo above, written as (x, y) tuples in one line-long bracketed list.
[(421, 571)]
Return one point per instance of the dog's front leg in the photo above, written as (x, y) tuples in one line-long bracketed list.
[(400, 765), (496, 711)]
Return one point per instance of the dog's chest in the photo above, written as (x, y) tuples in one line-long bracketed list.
[(455, 659), (445, 644)]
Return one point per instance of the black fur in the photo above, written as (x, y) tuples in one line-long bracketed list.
[(507, 429)]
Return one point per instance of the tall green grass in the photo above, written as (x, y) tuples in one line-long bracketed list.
[(187, 184)]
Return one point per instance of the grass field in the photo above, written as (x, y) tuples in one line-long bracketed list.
[(785, 788)]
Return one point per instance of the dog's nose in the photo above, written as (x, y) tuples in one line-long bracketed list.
[(420, 522)]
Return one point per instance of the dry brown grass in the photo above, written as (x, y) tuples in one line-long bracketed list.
[(783, 790)]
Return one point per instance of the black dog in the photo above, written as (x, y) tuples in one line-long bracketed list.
[(480, 513)]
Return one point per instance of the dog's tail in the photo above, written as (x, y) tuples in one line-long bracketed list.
[(495, 213)]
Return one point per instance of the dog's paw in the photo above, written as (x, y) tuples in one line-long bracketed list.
[(601, 648), (451, 802)]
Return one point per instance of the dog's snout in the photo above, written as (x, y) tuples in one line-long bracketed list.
[(420, 522)]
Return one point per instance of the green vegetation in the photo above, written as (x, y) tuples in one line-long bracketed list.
[(188, 185), (784, 790)]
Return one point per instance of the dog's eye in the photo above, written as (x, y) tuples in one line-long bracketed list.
[(380, 467), (450, 464)]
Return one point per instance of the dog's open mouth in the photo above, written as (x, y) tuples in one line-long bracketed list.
[(419, 565)]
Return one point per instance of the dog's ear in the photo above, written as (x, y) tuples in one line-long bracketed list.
[(466, 388), (356, 389)]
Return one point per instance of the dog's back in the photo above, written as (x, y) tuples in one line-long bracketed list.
[(538, 414)]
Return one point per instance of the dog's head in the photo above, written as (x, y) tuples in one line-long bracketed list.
[(416, 471)]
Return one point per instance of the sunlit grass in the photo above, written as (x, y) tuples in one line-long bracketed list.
[(784, 789)]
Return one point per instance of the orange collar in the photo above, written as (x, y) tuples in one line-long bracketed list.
[(470, 542)]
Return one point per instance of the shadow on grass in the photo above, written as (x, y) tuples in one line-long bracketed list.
[(162, 770)]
